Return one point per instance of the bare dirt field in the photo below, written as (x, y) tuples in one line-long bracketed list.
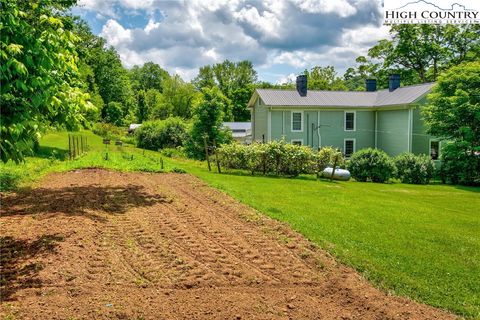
[(96, 244)]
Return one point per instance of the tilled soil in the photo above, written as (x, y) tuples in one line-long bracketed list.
[(96, 244)]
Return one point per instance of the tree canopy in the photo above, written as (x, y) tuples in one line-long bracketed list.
[(39, 79)]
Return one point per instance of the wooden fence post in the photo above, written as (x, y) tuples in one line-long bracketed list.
[(69, 148), (216, 156), (206, 152)]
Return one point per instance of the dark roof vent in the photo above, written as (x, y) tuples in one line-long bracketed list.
[(371, 85), (393, 82), (302, 85)]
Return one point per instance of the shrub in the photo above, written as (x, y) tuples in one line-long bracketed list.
[(371, 164), (460, 164), (325, 157), (417, 169), (159, 134), (108, 130), (275, 157)]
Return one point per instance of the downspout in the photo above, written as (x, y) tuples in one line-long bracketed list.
[(376, 128), (318, 130), (283, 124), (269, 125)]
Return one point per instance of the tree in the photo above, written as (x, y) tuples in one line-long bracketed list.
[(39, 79), (156, 106), (148, 76), (236, 82), (207, 123), (179, 97), (114, 113), (453, 113), (142, 108), (324, 78), (427, 49)]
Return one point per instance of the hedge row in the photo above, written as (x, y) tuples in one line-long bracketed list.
[(376, 166), (278, 158)]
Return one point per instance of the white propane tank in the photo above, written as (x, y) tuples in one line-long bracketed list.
[(339, 174)]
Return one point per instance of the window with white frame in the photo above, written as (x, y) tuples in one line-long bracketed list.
[(434, 149), (349, 120), (348, 147), (297, 121), (297, 142)]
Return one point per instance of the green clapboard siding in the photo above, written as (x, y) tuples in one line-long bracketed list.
[(392, 133), (260, 121), (420, 139), (331, 132)]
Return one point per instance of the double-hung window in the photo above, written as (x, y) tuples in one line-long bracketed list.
[(297, 121), (348, 147), (349, 122), (434, 149)]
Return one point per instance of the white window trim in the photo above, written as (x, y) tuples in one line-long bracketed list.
[(430, 148), (354, 120), (354, 145), (296, 140), (291, 121)]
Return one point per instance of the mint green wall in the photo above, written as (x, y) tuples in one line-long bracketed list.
[(420, 139), (392, 127), (332, 132), (260, 118)]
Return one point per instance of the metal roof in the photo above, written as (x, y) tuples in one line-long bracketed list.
[(238, 125), (402, 95)]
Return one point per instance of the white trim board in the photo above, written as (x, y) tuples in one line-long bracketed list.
[(354, 144), (354, 120), (291, 120)]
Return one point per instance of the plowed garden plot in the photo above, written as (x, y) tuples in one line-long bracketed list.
[(95, 244)]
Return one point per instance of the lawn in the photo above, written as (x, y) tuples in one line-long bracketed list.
[(417, 241)]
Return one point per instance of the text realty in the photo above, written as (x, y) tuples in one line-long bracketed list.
[(431, 14)]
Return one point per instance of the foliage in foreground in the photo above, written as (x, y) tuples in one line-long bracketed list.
[(159, 134), (39, 76), (415, 169), (277, 157), (207, 124), (371, 165), (454, 114)]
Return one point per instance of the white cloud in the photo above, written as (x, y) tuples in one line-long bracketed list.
[(115, 34), (287, 79), (191, 33), (340, 7)]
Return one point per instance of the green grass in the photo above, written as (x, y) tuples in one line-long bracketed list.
[(422, 242)]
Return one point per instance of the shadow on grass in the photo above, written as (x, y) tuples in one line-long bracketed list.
[(85, 201), (19, 263), (272, 176), (51, 153)]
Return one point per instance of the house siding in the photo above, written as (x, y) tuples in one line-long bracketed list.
[(421, 140), (260, 123), (393, 131)]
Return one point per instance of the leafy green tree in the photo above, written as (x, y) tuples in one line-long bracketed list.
[(179, 97), (148, 76), (39, 79), (207, 123), (142, 108), (235, 80), (324, 78), (453, 113), (427, 49), (156, 106), (114, 113)]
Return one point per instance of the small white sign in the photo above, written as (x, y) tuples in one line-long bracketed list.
[(431, 12)]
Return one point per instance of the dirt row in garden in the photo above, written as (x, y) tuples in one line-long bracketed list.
[(96, 244)]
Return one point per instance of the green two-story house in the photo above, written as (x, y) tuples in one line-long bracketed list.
[(387, 119)]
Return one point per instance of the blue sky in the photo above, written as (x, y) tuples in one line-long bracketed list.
[(280, 37)]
